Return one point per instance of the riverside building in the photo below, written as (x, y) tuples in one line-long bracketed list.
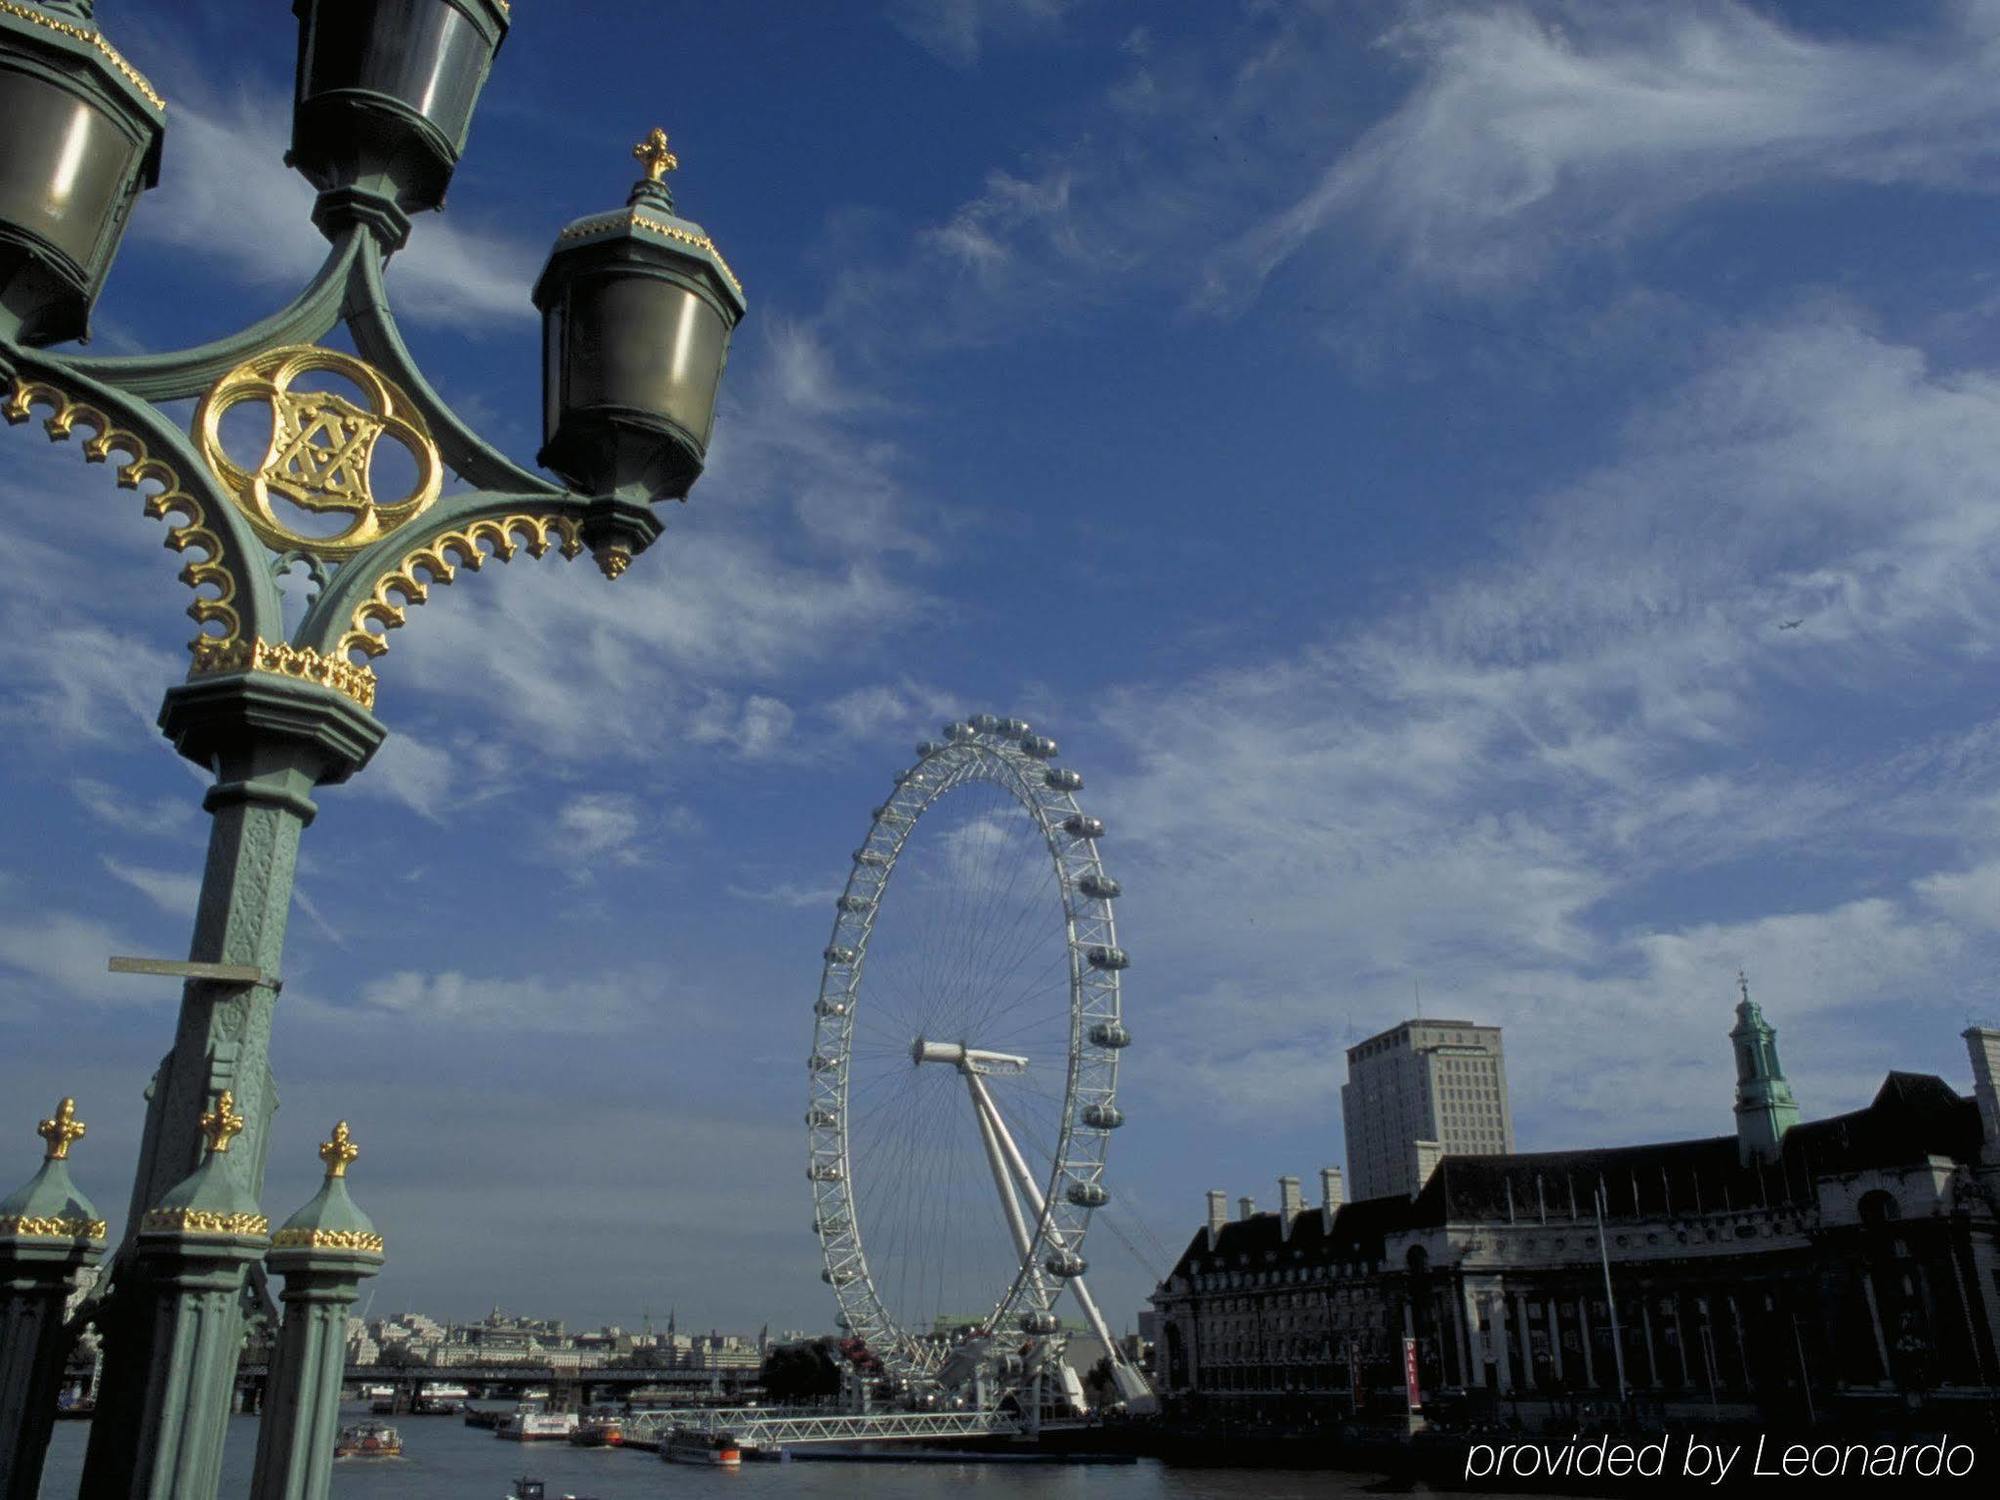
[(1420, 1091), (1843, 1268)]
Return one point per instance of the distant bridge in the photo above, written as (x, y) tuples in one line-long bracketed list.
[(520, 1376), (766, 1426)]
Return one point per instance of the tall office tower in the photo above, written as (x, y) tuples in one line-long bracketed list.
[(1419, 1091)]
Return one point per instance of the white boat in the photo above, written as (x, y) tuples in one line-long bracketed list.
[(435, 1396), (525, 1424), (693, 1445)]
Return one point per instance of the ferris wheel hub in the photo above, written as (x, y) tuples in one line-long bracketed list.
[(967, 1059)]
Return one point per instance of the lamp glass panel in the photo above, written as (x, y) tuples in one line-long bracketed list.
[(552, 351), (426, 53), (646, 343), (65, 167)]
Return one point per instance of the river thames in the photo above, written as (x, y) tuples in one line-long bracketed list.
[(446, 1460)]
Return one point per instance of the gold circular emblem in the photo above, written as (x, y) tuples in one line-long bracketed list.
[(321, 447)]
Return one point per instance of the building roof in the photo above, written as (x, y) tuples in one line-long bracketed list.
[(1913, 1117), (1385, 1034)]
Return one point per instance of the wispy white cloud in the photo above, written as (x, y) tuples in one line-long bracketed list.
[(1539, 131), (794, 553), (1483, 791), (956, 30), (788, 893), (596, 829), (173, 891), (160, 817), (572, 1004), (228, 170), (69, 954)]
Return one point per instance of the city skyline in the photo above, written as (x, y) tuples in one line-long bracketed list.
[(1429, 419)]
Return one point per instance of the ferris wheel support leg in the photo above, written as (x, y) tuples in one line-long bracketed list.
[(1010, 1205), (992, 1126)]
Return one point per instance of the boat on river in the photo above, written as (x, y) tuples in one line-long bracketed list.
[(369, 1440), (528, 1424), (695, 1445)]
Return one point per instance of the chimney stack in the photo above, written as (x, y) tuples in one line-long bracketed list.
[(1332, 1193), (1290, 1204), (1218, 1215), (1425, 1158), (1245, 1207)]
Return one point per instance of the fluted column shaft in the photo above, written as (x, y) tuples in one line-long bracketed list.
[(35, 1284), (302, 1406)]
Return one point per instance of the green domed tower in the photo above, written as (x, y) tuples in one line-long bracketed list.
[(1765, 1109)]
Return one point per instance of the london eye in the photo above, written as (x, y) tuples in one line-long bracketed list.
[(964, 1069)]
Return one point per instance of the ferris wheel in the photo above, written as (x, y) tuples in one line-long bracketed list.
[(965, 1065)]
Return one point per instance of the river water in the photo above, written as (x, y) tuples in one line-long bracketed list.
[(446, 1460)]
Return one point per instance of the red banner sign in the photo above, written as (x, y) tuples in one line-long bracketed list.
[(1411, 1388)]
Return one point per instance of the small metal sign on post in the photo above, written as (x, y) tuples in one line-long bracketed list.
[(1411, 1389)]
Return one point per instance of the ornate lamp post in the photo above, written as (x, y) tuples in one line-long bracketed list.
[(638, 309)]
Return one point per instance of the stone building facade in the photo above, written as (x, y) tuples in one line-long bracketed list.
[(1792, 1270)]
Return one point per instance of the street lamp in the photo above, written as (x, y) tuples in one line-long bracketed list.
[(638, 308), (83, 137), (385, 91)]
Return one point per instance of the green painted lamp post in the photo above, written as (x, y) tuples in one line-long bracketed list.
[(323, 1251), (638, 309), (49, 1235), (194, 1248)]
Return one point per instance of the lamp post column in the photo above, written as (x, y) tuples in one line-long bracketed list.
[(193, 1248), (269, 740), (49, 1234), (323, 1252)]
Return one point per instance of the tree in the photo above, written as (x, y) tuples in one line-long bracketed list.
[(795, 1374), (1098, 1384)]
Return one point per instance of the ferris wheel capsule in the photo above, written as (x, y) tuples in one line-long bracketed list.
[(1066, 1264), (1111, 1034)]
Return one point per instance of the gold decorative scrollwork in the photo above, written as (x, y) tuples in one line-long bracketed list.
[(321, 449), (212, 658), (326, 1239), (203, 1221), (28, 1227), (436, 558), (192, 533)]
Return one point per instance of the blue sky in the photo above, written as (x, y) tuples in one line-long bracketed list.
[(1380, 441)]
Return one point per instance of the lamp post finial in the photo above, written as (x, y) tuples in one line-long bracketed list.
[(655, 155), (60, 1129), (338, 1150)]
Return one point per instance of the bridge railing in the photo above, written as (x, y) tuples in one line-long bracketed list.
[(766, 1426)]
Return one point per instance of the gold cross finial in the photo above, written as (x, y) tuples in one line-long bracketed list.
[(338, 1151), (60, 1129), (655, 156), (1743, 984), (223, 1125)]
